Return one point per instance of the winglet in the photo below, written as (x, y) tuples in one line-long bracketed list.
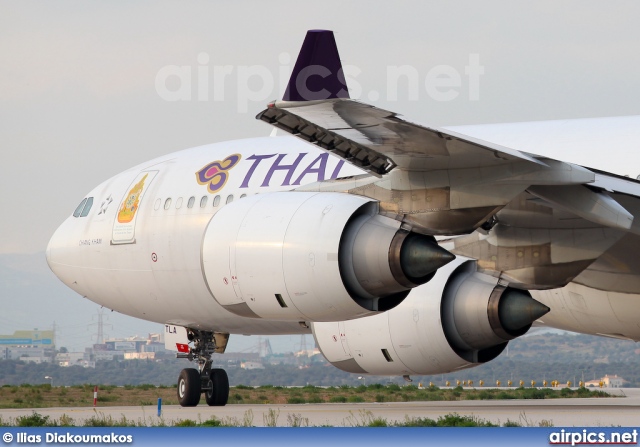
[(317, 74)]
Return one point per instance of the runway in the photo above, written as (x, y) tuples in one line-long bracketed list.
[(614, 411)]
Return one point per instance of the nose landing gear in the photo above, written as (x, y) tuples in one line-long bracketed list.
[(213, 382)]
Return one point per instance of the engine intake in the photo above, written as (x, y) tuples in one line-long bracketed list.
[(478, 328), (380, 260)]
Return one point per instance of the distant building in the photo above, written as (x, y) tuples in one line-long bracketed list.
[(28, 338), (126, 345), (26, 354), (29, 346), (154, 347), (102, 356), (613, 381), (139, 355), (606, 382), (84, 359), (308, 353), (132, 348), (251, 365)]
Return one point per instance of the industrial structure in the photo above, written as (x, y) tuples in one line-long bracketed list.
[(28, 345)]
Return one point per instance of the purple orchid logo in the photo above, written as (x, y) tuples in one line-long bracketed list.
[(216, 173)]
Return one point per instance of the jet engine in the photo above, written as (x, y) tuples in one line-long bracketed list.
[(459, 319), (313, 257)]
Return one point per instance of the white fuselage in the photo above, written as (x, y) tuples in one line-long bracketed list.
[(156, 274), (150, 266)]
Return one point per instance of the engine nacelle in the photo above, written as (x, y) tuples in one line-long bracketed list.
[(480, 315), (313, 257), (459, 319)]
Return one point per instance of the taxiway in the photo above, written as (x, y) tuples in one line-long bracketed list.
[(611, 411)]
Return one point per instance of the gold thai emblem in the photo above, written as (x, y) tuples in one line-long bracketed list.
[(131, 203)]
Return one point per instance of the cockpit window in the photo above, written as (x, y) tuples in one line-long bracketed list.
[(87, 207), (78, 210), (84, 207)]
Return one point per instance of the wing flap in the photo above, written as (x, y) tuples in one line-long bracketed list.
[(593, 206), (378, 140)]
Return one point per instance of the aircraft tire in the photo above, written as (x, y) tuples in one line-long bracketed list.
[(218, 393), (189, 388)]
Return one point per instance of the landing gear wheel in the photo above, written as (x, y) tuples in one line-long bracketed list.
[(189, 389), (214, 383), (217, 394)]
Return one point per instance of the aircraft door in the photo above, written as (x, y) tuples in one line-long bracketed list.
[(124, 224)]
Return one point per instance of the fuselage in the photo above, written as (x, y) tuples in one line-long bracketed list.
[(143, 258)]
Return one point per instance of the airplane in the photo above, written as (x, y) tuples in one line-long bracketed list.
[(404, 249)]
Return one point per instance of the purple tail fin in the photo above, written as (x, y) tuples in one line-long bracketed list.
[(318, 71)]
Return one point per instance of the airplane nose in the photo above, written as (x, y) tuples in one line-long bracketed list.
[(60, 251), (53, 242), (48, 251), (62, 256)]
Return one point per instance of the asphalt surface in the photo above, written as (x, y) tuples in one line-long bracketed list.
[(614, 411)]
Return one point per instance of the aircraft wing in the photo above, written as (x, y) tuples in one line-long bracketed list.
[(541, 222), (377, 140)]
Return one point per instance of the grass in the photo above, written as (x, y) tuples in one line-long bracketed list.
[(45, 396), (363, 418)]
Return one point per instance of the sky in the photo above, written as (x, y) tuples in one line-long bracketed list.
[(89, 89)]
